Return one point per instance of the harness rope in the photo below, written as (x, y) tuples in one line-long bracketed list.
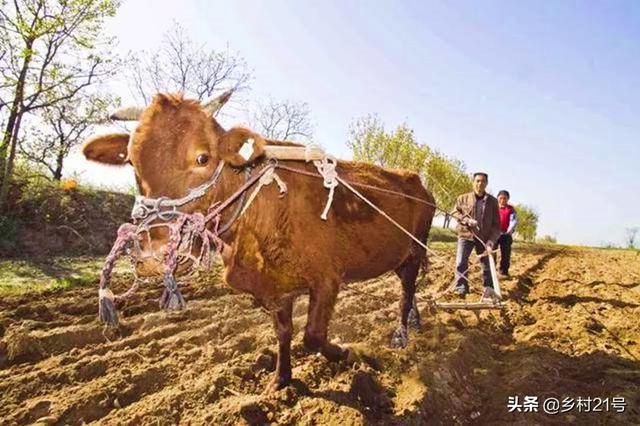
[(267, 178), (328, 173), (349, 185), (327, 169)]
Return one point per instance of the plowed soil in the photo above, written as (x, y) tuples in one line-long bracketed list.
[(570, 329)]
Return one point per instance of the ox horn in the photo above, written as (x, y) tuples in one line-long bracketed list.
[(127, 114), (213, 104)]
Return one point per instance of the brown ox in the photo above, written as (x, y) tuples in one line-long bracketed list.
[(279, 248)]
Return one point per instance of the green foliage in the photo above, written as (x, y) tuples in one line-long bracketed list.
[(372, 144), (445, 177), (442, 235), (47, 201), (527, 222), (608, 245), (58, 42)]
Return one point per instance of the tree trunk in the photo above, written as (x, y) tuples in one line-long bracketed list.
[(8, 169), (8, 132), (10, 137), (57, 173), (17, 102)]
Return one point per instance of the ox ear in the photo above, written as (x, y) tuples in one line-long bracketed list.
[(239, 147), (107, 149)]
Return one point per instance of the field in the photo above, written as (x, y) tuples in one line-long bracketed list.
[(570, 329)]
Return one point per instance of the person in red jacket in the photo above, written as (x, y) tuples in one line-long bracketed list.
[(508, 222)]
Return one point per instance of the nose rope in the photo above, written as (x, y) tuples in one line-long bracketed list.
[(106, 305), (184, 230), (182, 233), (146, 210), (145, 207)]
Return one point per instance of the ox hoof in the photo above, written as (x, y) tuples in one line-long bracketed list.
[(277, 383), (400, 338), (414, 320)]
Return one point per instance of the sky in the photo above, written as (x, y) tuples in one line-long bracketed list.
[(543, 96)]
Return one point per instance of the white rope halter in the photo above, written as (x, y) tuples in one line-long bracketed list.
[(165, 208)]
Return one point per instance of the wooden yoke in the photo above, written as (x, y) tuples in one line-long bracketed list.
[(299, 153)]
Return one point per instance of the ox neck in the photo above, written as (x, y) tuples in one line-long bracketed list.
[(231, 180)]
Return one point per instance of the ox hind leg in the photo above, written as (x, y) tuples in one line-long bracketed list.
[(321, 302), (408, 273), (284, 329)]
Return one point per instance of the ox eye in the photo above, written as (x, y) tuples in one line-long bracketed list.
[(202, 159)]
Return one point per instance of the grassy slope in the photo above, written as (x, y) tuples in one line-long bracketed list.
[(53, 274), (45, 220)]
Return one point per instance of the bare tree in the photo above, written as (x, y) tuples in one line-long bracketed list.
[(181, 65), (630, 235), (283, 120), (53, 51), (62, 127)]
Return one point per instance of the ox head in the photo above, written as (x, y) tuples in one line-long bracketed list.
[(177, 145)]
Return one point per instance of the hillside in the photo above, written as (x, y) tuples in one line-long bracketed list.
[(45, 218)]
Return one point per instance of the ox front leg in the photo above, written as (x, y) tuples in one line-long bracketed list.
[(321, 302), (284, 329)]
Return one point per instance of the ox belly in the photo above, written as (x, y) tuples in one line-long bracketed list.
[(268, 272)]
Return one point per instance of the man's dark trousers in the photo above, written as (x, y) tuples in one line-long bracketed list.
[(465, 247)]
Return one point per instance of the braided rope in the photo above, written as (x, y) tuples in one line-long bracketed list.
[(184, 230)]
